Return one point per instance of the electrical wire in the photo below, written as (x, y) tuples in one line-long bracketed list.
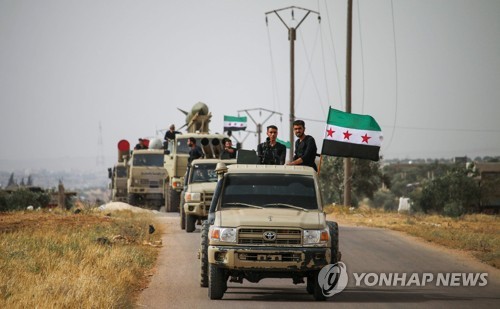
[(362, 61), (310, 69), (334, 56), (274, 80), (323, 58), (396, 80)]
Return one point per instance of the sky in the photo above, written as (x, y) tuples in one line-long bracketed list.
[(78, 76)]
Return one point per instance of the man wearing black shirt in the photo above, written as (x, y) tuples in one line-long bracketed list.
[(305, 147), (195, 152), (271, 152)]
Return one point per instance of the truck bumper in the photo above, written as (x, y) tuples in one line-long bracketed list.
[(269, 258), (196, 209)]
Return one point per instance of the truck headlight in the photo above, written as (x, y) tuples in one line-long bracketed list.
[(313, 237), (192, 197), (223, 234)]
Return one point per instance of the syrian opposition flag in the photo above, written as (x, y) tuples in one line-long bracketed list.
[(352, 136), (232, 123)]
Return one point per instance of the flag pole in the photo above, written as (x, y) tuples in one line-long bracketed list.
[(320, 160), (347, 161)]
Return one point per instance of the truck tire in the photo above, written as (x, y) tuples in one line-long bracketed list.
[(310, 284), (190, 223), (182, 212), (204, 254), (183, 218), (173, 200), (334, 232), (132, 199), (218, 283), (317, 291)]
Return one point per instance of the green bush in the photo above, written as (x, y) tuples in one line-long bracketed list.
[(21, 199), (454, 209), (386, 200)]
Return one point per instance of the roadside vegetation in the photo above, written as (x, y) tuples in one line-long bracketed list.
[(476, 234), (62, 259)]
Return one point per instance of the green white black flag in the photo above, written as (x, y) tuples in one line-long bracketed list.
[(351, 135), (232, 123)]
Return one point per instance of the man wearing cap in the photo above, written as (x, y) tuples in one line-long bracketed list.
[(141, 145)]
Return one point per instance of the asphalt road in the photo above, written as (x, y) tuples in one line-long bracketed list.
[(175, 283)]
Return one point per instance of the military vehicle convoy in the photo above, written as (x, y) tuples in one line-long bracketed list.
[(200, 187), (147, 177), (177, 153), (118, 174), (266, 221)]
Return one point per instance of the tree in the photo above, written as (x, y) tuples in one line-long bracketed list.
[(11, 182), (366, 179), (454, 193)]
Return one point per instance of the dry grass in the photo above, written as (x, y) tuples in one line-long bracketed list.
[(477, 234), (53, 259)]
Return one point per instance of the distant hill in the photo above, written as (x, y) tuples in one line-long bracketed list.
[(76, 173)]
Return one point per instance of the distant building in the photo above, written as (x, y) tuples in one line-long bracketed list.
[(489, 181)]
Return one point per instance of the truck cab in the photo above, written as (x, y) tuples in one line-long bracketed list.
[(266, 221)]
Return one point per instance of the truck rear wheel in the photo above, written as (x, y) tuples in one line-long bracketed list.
[(132, 199), (173, 200), (190, 223), (204, 254), (218, 283)]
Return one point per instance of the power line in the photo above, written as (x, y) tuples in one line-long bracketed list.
[(310, 70), (396, 72), (362, 61), (334, 54)]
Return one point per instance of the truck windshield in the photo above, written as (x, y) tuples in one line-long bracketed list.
[(121, 171), (269, 190), (144, 159), (203, 173), (182, 146)]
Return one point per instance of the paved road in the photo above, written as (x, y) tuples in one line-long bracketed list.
[(176, 281)]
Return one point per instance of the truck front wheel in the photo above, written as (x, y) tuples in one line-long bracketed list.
[(204, 254), (218, 283), (190, 223)]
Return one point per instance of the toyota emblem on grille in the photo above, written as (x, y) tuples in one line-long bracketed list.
[(269, 236)]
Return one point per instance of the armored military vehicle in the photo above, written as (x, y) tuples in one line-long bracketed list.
[(177, 153), (118, 174), (201, 182), (266, 221), (147, 178)]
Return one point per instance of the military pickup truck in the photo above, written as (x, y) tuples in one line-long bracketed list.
[(200, 187), (266, 221)]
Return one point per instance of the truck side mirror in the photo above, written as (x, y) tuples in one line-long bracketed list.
[(110, 173)]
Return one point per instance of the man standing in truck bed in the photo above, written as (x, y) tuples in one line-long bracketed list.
[(195, 152), (271, 151), (305, 147)]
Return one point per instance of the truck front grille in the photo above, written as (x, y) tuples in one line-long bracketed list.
[(255, 236)]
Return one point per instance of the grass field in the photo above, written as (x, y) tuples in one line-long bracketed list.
[(476, 234), (65, 260)]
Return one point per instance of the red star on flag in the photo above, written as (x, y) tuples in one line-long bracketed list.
[(365, 138), (330, 132), (347, 135)]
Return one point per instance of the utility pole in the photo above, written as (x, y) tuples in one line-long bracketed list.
[(292, 34), (347, 161), (258, 124)]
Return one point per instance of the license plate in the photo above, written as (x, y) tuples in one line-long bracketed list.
[(269, 257)]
